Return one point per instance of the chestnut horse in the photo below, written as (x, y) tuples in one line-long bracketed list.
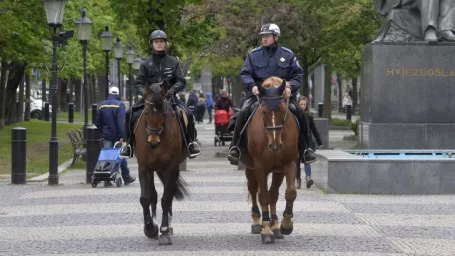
[(159, 148), (272, 148)]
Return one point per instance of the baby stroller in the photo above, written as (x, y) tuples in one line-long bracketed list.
[(108, 166), (221, 122)]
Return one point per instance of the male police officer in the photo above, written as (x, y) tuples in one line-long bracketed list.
[(260, 64), (155, 69)]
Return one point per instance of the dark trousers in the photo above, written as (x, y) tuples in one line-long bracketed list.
[(209, 112), (299, 169)]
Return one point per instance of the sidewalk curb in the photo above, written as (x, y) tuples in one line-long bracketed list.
[(44, 176)]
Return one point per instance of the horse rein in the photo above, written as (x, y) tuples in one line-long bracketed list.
[(277, 127)]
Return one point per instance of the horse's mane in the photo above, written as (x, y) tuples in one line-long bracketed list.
[(274, 81)]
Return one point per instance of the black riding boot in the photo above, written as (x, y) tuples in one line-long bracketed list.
[(304, 140), (234, 151), (192, 135), (126, 151)]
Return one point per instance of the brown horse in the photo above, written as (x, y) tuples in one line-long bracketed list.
[(272, 148), (159, 148)]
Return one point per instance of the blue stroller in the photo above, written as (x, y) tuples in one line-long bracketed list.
[(108, 166)]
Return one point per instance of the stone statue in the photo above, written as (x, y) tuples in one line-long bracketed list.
[(416, 20)]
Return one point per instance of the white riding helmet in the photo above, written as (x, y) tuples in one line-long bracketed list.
[(113, 90), (270, 28)]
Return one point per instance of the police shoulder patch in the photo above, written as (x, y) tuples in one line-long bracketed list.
[(287, 49), (256, 49)]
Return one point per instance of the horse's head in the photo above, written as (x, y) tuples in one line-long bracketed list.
[(155, 112), (274, 108)]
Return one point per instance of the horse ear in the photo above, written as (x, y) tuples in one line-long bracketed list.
[(282, 87), (147, 90)]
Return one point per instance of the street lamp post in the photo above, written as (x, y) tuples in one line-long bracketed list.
[(130, 60), (106, 43), (54, 14), (84, 28), (118, 52), (136, 64)]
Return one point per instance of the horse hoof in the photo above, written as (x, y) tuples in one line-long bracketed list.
[(151, 230), (268, 238), (256, 228), (164, 239), (277, 233), (286, 231), (171, 231)]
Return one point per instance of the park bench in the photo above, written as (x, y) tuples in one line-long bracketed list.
[(79, 145)]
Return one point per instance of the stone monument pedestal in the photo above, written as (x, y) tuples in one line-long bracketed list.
[(408, 96)]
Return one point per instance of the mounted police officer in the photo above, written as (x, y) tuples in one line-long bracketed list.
[(158, 67), (261, 63)]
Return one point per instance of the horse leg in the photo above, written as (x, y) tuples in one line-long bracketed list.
[(153, 194), (150, 228), (170, 183), (277, 180), (256, 227), (291, 194), (266, 234), (171, 229)]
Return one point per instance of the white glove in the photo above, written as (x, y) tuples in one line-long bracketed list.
[(255, 91)]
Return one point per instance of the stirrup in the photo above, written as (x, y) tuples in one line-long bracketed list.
[(122, 150), (196, 146), (230, 157), (305, 160)]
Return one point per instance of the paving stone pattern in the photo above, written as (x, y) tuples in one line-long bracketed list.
[(75, 219)]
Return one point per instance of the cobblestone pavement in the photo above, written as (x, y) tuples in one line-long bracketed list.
[(75, 219)]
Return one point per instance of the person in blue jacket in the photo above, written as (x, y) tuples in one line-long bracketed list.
[(110, 122), (263, 62), (209, 106)]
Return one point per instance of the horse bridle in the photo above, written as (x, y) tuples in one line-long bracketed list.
[(277, 127), (153, 130)]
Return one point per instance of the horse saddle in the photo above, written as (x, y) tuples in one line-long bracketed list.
[(136, 112), (182, 114)]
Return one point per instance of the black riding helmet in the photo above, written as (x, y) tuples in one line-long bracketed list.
[(157, 34)]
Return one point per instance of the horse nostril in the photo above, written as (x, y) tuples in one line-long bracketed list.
[(280, 146), (271, 146)]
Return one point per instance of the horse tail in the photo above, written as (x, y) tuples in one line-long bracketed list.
[(180, 190)]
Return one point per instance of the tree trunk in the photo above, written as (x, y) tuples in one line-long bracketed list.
[(93, 90), (354, 95), (77, 93), (340, 93), (101, 88), (63, 96), (16, 72), (327, 112), (306, 69), (21, 101), (27, 98), (43, 91), (4, 75), (71, 92)]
